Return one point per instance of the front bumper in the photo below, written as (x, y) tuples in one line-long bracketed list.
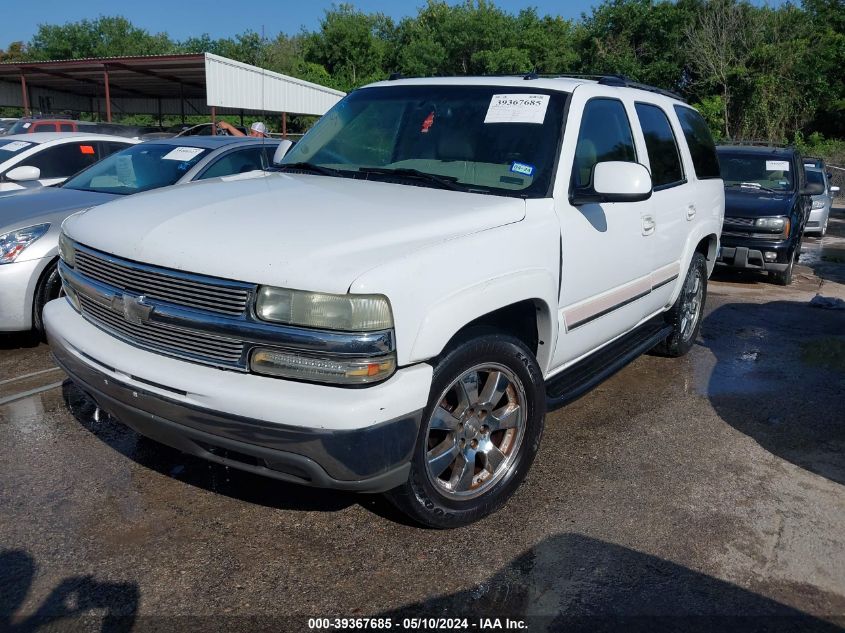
[(748, 253), (816, 220), (350, 439)]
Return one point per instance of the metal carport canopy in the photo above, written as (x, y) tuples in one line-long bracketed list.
[(159, 84)]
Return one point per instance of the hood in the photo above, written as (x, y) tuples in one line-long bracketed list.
[(753, 203), (298, 231), (45, 204)]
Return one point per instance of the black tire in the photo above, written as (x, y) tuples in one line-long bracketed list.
[(49, 288), (785, 278), (424, 496), (682, 338)]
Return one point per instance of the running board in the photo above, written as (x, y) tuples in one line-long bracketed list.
[(574, 382)]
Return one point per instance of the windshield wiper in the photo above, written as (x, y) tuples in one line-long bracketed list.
[(752, 185), (446, 182), (317, 169)]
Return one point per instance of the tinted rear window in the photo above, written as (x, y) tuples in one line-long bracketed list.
[(661, 145), (700, 142)]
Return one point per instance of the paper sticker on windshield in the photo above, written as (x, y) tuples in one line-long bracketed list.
[(182, 153), (26, 125), (14, 146), (777, 165), (522, 168), (517, 108)]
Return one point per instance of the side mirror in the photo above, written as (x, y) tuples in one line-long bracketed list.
[(24, 173), (615, 181), (281, 150), (812, 189), (834, 189)]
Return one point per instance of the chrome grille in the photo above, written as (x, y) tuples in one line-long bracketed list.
[(190, 291), (166, 339), (740, 221)]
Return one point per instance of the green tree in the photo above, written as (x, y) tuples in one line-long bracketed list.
[(350, 45), (103, 37), (641, 39)]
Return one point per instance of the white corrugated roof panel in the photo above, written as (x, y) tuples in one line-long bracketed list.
[(232, 84)]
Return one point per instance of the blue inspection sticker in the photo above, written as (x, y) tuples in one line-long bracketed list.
[(522, 168)]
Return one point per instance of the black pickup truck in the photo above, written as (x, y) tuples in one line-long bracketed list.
[(767, 203)]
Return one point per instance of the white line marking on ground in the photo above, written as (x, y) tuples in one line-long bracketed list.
[(31, 392), (30, 375)]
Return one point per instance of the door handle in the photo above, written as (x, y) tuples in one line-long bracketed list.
[(691, 212), (648, 224)]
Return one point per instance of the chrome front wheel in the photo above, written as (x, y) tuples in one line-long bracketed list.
[(475, 431), (479, 432)]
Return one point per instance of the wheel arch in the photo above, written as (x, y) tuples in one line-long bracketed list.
[(508, 305), (38, 287), (709, 247)]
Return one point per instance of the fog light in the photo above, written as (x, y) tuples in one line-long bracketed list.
[(770, 256), (342, 371)]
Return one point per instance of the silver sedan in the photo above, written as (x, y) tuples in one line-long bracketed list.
[(30, 221), (820, 212)]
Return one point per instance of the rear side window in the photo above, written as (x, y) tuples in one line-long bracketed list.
[(66, 127), (700, 142), (605, 135), (661, 146), (64, 160)]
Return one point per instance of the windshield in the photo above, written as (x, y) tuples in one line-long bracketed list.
[(815, 177), (20, 127), (756, 170), (9, 147), (484, 139), (138, 168)]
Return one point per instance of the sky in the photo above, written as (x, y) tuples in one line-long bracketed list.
[(181, 19), (185, 18)]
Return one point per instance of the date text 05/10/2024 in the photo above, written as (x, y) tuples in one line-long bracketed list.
[(417, 624)]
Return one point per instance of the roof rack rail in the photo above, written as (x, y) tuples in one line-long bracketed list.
[(623, 82), (605, 80), (759, 143)]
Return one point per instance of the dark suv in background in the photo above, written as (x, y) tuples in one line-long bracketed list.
[(767, 203)]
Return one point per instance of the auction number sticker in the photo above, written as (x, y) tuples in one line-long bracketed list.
[(14, 146), (777, 165), (517, 108), (182, 153)]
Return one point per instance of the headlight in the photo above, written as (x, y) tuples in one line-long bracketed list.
[(770, 224), (351, 313), (773, 225), (337, 370), (818, 204), (66, 250), (13, 243)]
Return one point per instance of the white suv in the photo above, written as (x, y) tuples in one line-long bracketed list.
[(438, 262)]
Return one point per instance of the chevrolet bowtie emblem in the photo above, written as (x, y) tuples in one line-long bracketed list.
[(133, 308)]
